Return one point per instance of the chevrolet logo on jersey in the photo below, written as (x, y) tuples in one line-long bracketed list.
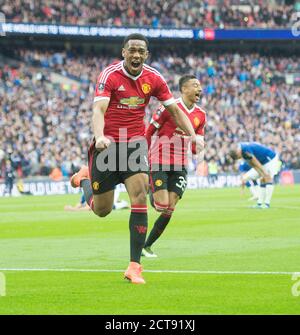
[(132, 101)]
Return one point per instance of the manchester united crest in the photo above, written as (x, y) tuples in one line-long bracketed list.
[(196, 121), (96, 186), (158, 182), (146, 88)]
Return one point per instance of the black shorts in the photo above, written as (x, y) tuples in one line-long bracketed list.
[(113, 165), (172, 181)]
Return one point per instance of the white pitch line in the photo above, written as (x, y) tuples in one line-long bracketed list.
[(159, 271)]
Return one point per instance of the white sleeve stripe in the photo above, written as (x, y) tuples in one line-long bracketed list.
[(153, 70), (155, 124), (108, 68), (100, 98), (102, 75), (156, 73), (168, 102), (106, 74), (110, 72)]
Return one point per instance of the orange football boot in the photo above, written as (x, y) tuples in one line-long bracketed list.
[(134, 273), (83, 173)]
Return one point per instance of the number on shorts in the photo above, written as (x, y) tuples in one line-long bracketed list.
[(181, 183)]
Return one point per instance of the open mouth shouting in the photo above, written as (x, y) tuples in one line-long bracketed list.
[(197, 96), (135, 64), (135, 67)]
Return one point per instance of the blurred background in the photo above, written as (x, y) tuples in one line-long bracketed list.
[(245, 53)]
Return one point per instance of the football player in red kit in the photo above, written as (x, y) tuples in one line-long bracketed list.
[(118, 153), (168, 155)]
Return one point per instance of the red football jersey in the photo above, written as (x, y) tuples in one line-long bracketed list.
[(171, 144), (128, 97)]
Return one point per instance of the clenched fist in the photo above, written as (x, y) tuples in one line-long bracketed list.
[(102, 143), (198, 144)]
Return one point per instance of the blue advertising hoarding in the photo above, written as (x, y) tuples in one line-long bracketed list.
[(9, 28)]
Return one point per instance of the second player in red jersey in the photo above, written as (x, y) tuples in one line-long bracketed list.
[(170, 145), (168, 155)]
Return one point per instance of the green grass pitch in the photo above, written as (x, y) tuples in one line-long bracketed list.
[(217, 256)]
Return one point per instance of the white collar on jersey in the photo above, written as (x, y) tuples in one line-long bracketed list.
[(128, 74), (185, 106)]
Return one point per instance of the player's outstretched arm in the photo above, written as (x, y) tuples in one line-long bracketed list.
[(99, 109), (182, 120)]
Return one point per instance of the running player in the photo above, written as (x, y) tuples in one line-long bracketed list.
[(118, 153), (264, 163), (168, 155)]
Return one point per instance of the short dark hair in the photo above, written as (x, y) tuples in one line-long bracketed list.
[(185, 79), (233, 154), (135, 37)]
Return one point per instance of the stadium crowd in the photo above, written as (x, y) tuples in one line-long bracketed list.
[(46, 125), (136, 13)]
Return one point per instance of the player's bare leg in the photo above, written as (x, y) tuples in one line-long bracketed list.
[(161, 200), (103, 203), (173, 199), (162, 222), (137, 188)]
